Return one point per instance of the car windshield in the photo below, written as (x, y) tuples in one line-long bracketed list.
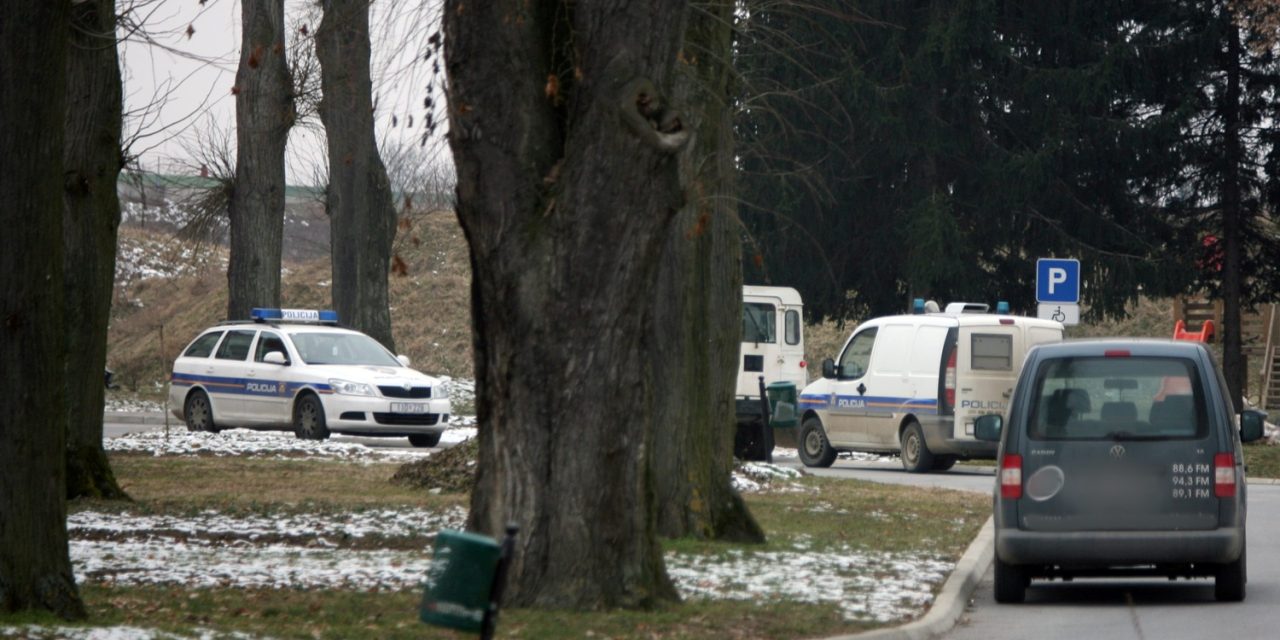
[(342, 348), (1122, 398)]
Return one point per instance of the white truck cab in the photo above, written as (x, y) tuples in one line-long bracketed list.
[(772, 348), (914, 384)]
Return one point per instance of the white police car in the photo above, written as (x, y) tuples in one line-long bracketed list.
[(295, 368)]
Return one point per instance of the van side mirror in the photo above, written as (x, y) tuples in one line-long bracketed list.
[(987, 428), (275, 357), (404, 360), (828, 368), (1251, 425)]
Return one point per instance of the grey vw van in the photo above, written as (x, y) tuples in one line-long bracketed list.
[(1120, 458)]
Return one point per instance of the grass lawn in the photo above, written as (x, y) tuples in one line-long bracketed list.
[(810, 514)]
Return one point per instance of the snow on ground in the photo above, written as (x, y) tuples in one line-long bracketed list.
[(132, 405), (298, 551), (274, 444), (31, 632)]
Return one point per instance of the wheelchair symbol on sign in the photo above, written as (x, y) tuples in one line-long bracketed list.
[(1058, 315)]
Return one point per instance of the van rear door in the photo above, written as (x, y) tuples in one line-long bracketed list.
[(1118, 443), (989, 356)]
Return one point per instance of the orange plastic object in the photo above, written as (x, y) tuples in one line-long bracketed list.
[(1180, 332)]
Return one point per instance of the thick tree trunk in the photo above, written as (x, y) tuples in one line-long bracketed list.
[(1232, 235), (698, 309), (264, 114), (92, 162), (35, 568), (362, 215), (568, 183)]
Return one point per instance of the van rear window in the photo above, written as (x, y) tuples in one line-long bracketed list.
[(759, 323), (991, 352), (1135, 398)]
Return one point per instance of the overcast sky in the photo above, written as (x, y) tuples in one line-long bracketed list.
[(179, 75)]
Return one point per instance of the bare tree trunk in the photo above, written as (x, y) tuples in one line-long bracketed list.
[(359, 203), (92, 162), (698, 309), (1232, 234), (264, 114), (35, 566), (568, 182)]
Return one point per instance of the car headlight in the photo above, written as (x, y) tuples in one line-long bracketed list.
[(347, 387), (440, 389)]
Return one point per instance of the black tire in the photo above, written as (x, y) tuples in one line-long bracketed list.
[(749, 441), (815, 450), (915, 454), (1229, 580), (424, 439), (943, 463), (1011, 582), (197, 411), (308, 419)]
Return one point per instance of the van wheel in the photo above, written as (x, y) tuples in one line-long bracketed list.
[(942, 463), (1229, 580), (1011, 582), (308, 419), (198, 412), (815, 450), (916, 456)]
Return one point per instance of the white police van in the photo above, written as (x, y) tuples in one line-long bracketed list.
[(772, 349), (296, 369), (913, 385)]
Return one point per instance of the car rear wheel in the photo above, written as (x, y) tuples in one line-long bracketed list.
[(1229, 580), (198, 412), (1010, 582), (424, 439), (916, 456), (308, 419), (942, 463), (815, 450)]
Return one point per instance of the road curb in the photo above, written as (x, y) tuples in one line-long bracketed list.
[(952, 599)]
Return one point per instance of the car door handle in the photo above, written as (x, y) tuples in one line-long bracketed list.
[(862, 388)]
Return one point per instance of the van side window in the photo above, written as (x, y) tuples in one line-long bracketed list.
[(759, 322), (991, 352), (793, 327), (857, 356), (202, 346)]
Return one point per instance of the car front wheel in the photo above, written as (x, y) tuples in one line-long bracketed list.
[(815, 449), (308, 419), (198, 412), (424, 439)]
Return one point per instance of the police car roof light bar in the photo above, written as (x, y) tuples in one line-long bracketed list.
[(917, 306), (268, 314), (1002, 307)]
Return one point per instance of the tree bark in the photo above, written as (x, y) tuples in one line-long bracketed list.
[(35, 566), (264, 114), (568, 182), (698, 308), (92, 163), (1232, 234), (362, 216)]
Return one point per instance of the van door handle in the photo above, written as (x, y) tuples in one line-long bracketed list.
[(862, 388)]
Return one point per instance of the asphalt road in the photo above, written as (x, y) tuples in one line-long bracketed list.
[(1127, 608)]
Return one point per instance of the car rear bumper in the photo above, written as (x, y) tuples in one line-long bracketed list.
[(1118, 548)]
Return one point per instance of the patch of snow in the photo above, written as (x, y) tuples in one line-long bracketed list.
[(37, 632), (275, 444), (385, 523), (132, 405)]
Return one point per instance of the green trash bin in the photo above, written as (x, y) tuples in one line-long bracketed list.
[(460, 580), (782, 405)]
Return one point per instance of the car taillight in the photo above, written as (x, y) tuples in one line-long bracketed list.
[(1011, 476), (949, 380), (803, 364), (1224, 475)]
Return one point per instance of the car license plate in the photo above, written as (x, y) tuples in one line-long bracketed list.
[(408, 407)]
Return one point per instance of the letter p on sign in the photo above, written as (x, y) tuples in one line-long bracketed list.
[(1058, 280)]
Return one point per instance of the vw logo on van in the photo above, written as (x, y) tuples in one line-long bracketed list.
[(1117, 452)]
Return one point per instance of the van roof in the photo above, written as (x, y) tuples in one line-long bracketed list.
[(787, 295), (968, 320), (1136, 346)]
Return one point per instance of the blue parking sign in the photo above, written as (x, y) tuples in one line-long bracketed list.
[(1058, 280)]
